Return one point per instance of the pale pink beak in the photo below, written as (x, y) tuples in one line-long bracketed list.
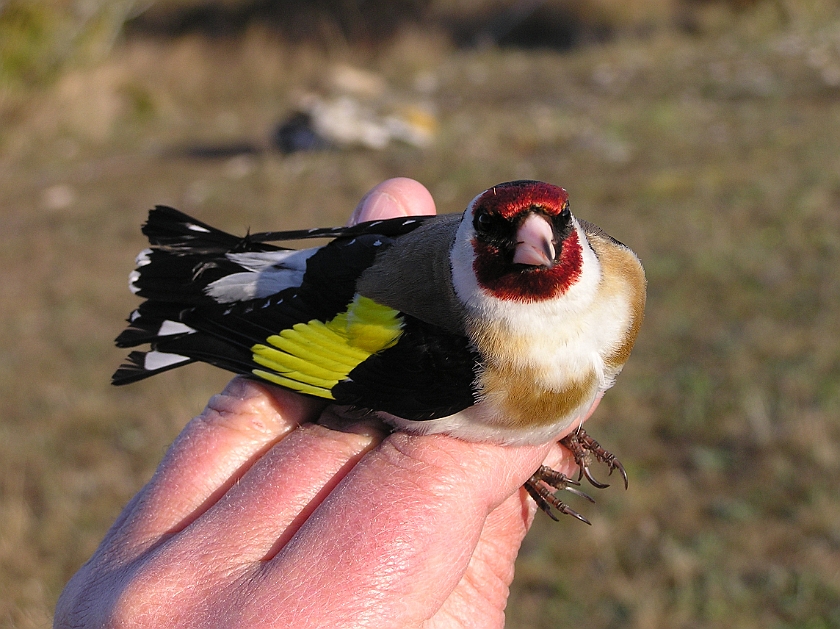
[(535, 242)]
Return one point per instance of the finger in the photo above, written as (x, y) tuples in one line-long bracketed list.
[(491, 566), (492, 562), (212, 452), (392, 198), (279, 492), (400, 528)]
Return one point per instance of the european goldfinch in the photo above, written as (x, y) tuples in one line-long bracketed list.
[(506, 323)]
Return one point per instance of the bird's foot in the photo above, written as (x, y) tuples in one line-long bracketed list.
[(542, 486), (584, 448)]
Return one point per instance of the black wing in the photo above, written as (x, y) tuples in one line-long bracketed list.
[(428, 374), (183, 322)]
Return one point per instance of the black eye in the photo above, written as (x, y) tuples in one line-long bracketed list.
[(482, 222), (563, 219), (562, 224)]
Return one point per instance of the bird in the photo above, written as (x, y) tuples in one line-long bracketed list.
[(504, 323)]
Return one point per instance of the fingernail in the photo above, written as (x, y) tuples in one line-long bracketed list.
[(378, 205)]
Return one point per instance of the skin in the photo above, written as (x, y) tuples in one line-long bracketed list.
[(258, 516)]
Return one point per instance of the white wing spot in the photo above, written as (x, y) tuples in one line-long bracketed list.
[(266, 273), (197, 228)]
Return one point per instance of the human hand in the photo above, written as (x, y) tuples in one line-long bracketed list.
[(259, 517)]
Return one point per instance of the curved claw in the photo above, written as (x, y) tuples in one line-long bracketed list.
[(541, 496), (585, 448), (539, 487), (570, 481), (578, 492), (575, 514), (546, 508), (596, 483), (616, 465)]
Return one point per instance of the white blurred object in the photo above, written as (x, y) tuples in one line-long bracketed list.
[(362, 111), (347, 121)]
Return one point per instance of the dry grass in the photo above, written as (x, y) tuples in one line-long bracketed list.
[(715, 157)]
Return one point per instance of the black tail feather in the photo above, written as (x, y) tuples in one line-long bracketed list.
[(134, 369), (391, 228), (164, 275), (186, 256), (191, 348), (183, 321), (175, 231), (144, 324)]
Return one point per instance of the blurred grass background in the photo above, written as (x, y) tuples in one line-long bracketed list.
[(706, 135)]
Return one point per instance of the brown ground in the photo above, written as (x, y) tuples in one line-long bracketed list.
[(715, 155)]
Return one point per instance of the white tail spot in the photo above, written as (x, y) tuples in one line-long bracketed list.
[(169, 328), (159, 360)]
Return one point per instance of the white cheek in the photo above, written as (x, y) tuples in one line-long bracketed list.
[(462, 258), (580, 295)]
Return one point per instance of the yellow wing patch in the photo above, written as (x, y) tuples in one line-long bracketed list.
[(313, 357)]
